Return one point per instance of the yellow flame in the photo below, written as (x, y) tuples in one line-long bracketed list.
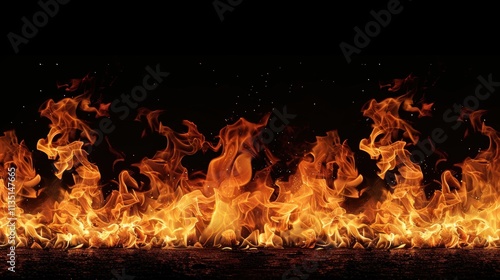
[(325, 202)]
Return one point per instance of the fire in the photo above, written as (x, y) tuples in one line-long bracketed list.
[(325, 202)]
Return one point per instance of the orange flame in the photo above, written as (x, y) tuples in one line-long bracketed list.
[(235, 205)]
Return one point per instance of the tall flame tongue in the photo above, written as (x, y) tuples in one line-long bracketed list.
[(325, 202)]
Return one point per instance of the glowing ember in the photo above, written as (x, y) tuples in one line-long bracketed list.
[(326, 202)]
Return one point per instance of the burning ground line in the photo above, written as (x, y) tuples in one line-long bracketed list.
[(11, 202)]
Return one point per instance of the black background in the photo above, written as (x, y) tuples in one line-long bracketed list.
[(262, 56), (254, 27)]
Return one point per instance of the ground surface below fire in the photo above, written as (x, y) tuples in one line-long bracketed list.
[(121, 264)]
